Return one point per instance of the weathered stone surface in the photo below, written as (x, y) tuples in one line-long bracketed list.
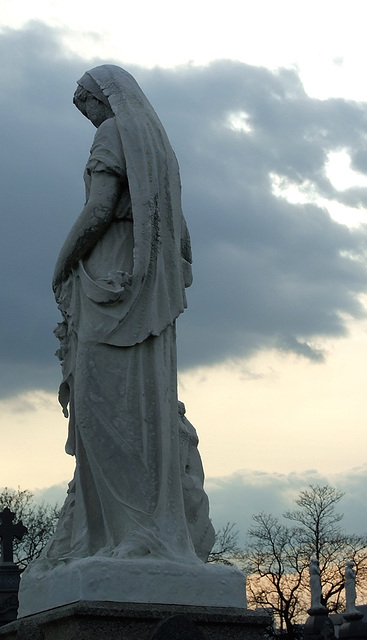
[(318, 625), (177, 627), (116, 621), (315, 584), (350, 589), (144, 581), (137, 497), (353, 628)]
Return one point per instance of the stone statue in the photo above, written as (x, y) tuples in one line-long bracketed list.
[(350, 588), (195, 499), (137, 494), (315, 584), (119, 282)]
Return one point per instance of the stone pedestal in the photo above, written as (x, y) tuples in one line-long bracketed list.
[(138, 581), (353, 627), (9, 585), (132, 621), (318, 625)]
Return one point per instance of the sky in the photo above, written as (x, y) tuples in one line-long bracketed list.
[(266, 108)]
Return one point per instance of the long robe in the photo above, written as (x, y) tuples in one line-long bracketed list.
[(118, 349)]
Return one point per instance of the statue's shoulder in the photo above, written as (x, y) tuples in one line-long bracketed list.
[(108, 129), (107, 137), (107, 148)]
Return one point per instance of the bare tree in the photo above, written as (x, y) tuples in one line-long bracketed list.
[(278, 557), (277, 570), (317, 522), (226, 548), (320, 535), (40, 520)]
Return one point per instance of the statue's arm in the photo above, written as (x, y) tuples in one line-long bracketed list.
[(92, 223)]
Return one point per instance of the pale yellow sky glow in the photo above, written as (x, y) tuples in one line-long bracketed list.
[(272, 412), (276, 412), (32, 442)]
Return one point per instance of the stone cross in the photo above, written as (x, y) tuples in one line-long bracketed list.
[(9, 531)]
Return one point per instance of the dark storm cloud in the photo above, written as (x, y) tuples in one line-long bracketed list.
[(267, 273)]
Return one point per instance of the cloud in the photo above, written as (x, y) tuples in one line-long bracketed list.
[(236, 498), (267, 272), (54, 495)]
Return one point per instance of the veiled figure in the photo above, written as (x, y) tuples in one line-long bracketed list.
[(350, 588), (120, 284), (315, 584)]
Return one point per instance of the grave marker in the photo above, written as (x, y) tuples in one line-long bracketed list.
[(9, 571)]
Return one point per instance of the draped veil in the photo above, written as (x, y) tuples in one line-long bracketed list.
[(129, 496)]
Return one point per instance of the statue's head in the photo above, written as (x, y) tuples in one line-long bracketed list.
[(88, 101)]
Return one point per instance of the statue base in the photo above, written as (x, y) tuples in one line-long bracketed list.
[(95, 620), (318, 624), (138, 581), (9, 585), (353, 628)]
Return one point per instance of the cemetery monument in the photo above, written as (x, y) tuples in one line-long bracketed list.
[(135, 525), (315, 584), (353, 627), (128, 558), (350, 589), (9, 571), (318, 625)]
